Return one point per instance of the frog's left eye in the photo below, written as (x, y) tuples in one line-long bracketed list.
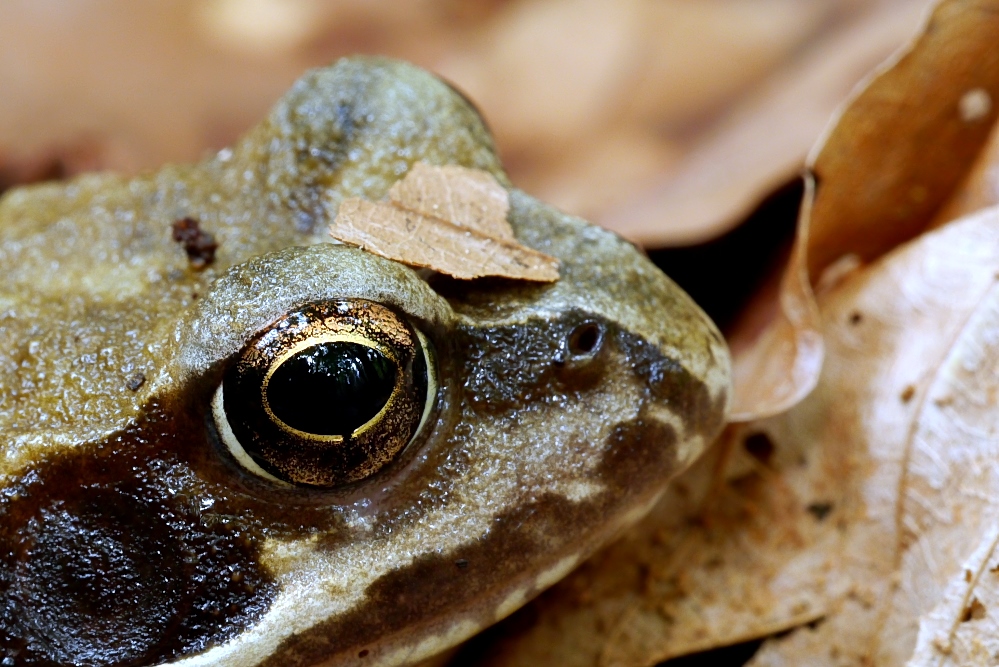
[(327, 395)]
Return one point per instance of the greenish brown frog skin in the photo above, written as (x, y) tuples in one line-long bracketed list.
[(131, 535)]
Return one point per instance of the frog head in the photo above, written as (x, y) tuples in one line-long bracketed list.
[(294, 452)]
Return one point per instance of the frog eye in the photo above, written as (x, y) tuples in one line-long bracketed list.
[(327, 395)]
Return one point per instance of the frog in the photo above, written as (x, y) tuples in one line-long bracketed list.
[(230, 440)]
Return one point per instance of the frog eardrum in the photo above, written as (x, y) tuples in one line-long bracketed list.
[(326, 395)]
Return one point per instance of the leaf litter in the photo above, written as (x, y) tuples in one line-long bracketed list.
[(761, 142), (889, 162)]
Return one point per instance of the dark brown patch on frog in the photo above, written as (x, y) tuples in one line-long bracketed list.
[(673, 385), (514, 366), (126, 569), (511, 367), (199, 245), (638, 453)]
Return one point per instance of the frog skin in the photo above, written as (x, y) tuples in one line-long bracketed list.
[(132, 534)]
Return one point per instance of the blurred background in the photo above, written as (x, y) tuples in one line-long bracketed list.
[(669, 121)]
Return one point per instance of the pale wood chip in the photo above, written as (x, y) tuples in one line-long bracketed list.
[(469, 198), (449, 219), (424, 241)]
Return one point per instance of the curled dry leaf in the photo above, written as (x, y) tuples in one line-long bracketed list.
[(761, 143), (980, 188), (449, 219), (908, 398), (960, 630), (895, 155)]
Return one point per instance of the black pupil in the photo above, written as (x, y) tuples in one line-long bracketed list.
[(331, 388)]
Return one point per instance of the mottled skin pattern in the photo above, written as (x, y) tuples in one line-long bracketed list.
[(129, 536)]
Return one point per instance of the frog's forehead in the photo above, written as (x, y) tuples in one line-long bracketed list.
[(92, 285)]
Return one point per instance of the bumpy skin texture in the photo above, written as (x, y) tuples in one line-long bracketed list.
[(129, 536)]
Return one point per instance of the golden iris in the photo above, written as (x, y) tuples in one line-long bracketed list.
[(326, 395)]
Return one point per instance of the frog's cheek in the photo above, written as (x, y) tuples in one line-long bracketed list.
[(127, 568)]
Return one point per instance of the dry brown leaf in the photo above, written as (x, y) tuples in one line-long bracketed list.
[(901, 147), (422, 241), (980, 188), (890, 161), (962, 628), (761, 142), (909, 394), (448, 219)]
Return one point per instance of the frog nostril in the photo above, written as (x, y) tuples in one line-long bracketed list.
[(586, 339)]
